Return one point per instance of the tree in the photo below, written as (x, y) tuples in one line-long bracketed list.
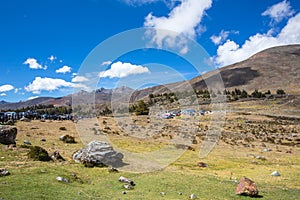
[(141, 108), (244, 94)]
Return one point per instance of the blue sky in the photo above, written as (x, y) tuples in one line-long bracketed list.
[(46, 45)]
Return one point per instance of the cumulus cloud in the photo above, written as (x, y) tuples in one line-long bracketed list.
[(33, 64), (6, 88), (223, 35), (121, 70), (79, 79), (231, 52), (52, 58), (64, 69), (106, 63), (279, 11), (183, 21), (2, 94), (50, 84)]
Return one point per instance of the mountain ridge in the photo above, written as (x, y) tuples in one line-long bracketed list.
[(271, 69)]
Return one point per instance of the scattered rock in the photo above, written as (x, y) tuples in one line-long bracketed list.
[(193, 196), (246, 187), (180, 193), (162, 193), (27, 142), (61, 179), (266, 150), (24, 119), (112, 170), (56, 156), (202, 164), (67, 139), (260, 157), (4, 172), (123, 179), (275, 173), (8, 134), (123, 192), (98, 154), (128, 186), (43, 140)]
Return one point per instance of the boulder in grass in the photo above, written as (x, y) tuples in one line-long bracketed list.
[(246, 187), (67, 139), (8, 134), (4, 172), (98, 153), (56, 156)]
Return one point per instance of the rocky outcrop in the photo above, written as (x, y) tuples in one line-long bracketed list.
[(98, 153), (8, 134)]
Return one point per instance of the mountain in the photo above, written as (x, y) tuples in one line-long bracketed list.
[(271, 69)]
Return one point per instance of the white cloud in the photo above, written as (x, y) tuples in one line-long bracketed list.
[(30, 98), (169, 3), (223, 35), (106, 63), (2, 94), (52, 58), (79, 79), (33, 64), (184, 20), (6, 88), (64, 69), (121, 70), (231, 52), (279, 11), (50, 84)]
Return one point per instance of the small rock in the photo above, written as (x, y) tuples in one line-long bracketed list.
[(24, 119), (202, 164), (266, 150), (246, 187), (193, 196), (123, 179), (260, 157), (123, 192), (162, 193), (4, 172), (56, 156), (112, 170), (275, 173), (128, 186), (43, 140), (61, 179), (27, 142), (180, 193)]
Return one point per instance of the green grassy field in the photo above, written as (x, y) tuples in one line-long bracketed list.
[(37, 180)]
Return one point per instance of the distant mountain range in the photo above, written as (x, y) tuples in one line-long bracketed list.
[(271, 69)]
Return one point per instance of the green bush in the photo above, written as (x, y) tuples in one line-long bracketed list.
[(38, 154)]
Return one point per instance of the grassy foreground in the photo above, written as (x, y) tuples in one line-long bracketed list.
[(37, 180)]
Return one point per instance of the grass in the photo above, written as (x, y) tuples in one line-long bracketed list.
[(37, 180)]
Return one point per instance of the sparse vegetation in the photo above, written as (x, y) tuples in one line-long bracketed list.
[(38, 153)]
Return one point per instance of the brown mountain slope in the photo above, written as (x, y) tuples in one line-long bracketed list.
[(271, 69)]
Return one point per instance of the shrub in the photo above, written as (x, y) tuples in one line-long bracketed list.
[(62, 128), (38, 153)]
